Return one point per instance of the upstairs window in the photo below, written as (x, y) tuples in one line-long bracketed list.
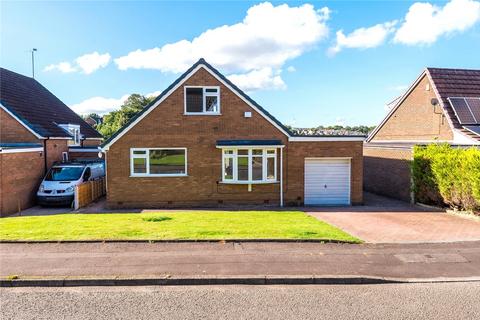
[(202, 100)]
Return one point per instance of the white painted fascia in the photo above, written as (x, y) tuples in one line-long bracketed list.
[(460, 138), (21, 122), (84, 150), (324, 139), (19, 150)]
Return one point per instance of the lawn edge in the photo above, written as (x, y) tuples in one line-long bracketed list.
[(187, 241)]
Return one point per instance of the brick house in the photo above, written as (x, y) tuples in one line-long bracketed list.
[(204, 142), (442, 105), (36, 129)]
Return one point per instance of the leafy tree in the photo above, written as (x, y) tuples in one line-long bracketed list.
[(114, 120)]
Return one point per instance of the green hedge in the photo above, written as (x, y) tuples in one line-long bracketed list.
[(446, 175)]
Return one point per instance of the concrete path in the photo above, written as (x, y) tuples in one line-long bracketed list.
[(407, 261)]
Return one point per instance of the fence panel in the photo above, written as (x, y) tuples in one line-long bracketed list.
[(88, 192)]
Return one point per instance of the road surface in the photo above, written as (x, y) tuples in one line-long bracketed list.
[(389, 301)]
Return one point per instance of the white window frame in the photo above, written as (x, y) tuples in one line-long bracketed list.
[(74, 130), (146, 156), (205, 94), (265, 155)]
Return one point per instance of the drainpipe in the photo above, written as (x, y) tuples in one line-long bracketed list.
[(45, 155), (281, 177)]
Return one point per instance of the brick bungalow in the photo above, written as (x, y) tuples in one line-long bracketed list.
[(442, 105), (36, 129), (204, 142)]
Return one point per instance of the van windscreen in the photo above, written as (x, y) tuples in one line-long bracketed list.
[(64, 174)]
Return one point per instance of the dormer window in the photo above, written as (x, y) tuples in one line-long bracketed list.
[(202, 100), (74, 131)]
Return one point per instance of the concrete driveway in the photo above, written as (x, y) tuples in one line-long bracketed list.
[(384, 220)]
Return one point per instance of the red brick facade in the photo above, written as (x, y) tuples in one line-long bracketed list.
[(388, 154), (167, 126), (20, 176)]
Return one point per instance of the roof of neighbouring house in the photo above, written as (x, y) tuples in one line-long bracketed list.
[(447, 83), (20, 145), (37, 108)]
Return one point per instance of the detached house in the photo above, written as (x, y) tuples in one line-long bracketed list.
[(204, 142), (442, 105), (36, 129)]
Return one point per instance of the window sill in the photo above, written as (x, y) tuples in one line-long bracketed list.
[(248, 182), (202, 114), (157, 175)]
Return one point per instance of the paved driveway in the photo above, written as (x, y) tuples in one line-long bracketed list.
[(383, 220)]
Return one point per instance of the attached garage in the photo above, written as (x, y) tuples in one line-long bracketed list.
[(327, 181)]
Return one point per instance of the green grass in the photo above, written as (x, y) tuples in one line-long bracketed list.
[(170, 225)]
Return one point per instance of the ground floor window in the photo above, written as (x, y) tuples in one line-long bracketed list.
[(249, 165), (158, 162)]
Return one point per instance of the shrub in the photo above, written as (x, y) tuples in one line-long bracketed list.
[(446, 175)]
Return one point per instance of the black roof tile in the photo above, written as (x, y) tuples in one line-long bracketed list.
[(37, 107)]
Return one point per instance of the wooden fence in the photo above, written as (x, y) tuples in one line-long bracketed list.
[(88, 192)]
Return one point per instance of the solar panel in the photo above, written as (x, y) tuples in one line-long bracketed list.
[(462, 111), (474, 104), (474, 129)]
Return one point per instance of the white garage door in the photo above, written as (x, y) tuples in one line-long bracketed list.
[(327, 181)]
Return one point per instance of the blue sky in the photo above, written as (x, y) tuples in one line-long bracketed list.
[(289, 56)]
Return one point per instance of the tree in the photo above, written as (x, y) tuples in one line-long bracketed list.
[(114, 120)]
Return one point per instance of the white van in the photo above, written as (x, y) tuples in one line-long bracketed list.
[(58, 186)]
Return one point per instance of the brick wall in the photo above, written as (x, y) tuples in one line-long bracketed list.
[(298, 151), (91, 143), (167, 126), (55, 148), (20, 176), (11, 131), (387, 171), (416, 118)]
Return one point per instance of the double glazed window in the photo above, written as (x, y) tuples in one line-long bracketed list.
[(202, 100), (74, 131), (158, 162), (249, 165)]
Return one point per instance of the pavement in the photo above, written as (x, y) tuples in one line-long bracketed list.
[(248, 262), (388, 301)]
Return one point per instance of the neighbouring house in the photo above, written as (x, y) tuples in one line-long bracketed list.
[(36, 129), (442, 105), (93, 120), (204, 142)]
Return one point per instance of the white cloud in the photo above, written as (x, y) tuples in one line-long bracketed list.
[(267, 37), (87, 63), (291, 69), (425, 23), (91, 62), (264, 78), (64, 67), (363, 38), (100, 105)]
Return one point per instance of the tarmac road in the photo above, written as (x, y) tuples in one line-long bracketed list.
[(387, 301)]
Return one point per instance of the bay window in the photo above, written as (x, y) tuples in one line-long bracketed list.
[(249, 165), (158, 162)]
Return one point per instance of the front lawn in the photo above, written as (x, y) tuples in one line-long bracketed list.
[(169, 225)]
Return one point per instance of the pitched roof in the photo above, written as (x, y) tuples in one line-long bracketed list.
[(37, 108), (446, 83), (455, 83), (180, 79)]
